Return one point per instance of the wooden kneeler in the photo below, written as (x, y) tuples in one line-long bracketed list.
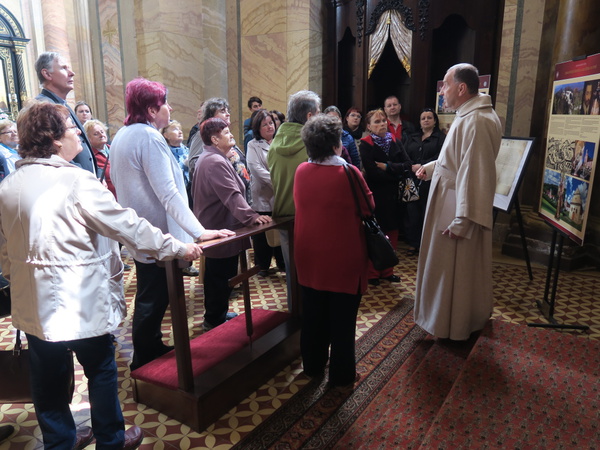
[(180, 385)]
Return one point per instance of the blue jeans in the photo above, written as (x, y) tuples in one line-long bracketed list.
[(50, 386)]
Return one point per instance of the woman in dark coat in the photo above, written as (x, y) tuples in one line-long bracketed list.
[(422, 147), (385, 163)]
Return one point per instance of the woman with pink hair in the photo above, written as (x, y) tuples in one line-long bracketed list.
[(148, 179)]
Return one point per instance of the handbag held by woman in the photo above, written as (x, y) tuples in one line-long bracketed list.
[(379, 248)]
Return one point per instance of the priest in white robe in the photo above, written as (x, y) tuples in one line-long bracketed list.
[(454, 279)]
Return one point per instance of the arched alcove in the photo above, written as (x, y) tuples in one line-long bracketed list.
[(13, 92)]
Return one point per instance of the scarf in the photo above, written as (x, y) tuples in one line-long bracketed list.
[(383, 142)]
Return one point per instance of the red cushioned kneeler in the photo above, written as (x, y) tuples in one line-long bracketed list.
[(204, 378), (226, 368)]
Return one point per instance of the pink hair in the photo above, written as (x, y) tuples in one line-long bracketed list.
[(141, 94)]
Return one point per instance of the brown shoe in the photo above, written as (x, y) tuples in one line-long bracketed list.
[(84, 437), (133, 438)]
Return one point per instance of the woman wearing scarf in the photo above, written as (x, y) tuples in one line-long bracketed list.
[(385, 163)]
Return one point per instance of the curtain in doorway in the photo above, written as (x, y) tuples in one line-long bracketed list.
[(390, 24)]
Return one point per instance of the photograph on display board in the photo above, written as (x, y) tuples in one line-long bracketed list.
[(572, 140), (581, 98)]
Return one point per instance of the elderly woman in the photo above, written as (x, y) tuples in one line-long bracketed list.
[(218, 107), (385, 163), (351, 152), (57, 250), (9, 141), (331, 268), (96, 134), (149, 180), (263, 129), (422, 147), (219, 201), (83, 112), (174, 137)]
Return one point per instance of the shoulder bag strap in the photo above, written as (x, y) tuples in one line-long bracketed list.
[(353, 186)]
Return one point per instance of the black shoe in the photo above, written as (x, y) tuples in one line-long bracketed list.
[(374, 281), (164, 349), (85, 436), (393, 278), (263, 273), (126, 266), (133, 438), (6, 431), (191, 271)]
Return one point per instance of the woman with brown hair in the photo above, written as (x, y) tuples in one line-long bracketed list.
[(58, 233)]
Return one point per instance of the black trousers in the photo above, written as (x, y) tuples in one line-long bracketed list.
[(329, 320), (216, 288), (263, 252), (151, 301)]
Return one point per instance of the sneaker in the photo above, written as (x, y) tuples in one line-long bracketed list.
[(191, 271), (230, 315), (126, 266)]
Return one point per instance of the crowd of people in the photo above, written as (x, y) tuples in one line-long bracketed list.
[(154, 194)]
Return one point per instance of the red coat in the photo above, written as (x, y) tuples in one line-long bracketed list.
[(329, 241)]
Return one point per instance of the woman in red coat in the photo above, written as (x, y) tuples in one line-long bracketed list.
[(330, 252)]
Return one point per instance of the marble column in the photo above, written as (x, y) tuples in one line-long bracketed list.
[(55, 27)]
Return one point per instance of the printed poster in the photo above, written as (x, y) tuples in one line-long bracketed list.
[(572, 146)]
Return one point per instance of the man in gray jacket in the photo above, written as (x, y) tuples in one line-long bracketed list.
[(56, 79)]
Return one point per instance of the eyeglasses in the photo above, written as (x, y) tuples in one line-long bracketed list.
[(355, 115), (9, 132)]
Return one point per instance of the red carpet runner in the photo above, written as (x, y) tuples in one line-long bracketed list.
[(511, 387)]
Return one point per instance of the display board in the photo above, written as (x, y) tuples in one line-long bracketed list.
[(510, 166), (572, 144)]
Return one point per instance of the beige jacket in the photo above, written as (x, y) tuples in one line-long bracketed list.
[(57, 223)]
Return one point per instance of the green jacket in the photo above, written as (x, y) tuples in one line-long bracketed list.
[(286, 153)]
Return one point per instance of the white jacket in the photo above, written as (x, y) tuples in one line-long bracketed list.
[(66, 276)]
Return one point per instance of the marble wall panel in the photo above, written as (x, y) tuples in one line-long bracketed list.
[(111, 63), (298, 51), (262, 17), (506, 56), (528, 64), (264, 70), (298, 15), (234, 64)]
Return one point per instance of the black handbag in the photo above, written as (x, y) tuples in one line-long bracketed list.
[(4, 297), (379, 248), (15, 384), (14, 374)]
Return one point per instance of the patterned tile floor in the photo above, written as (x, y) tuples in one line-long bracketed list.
[(515, 297)]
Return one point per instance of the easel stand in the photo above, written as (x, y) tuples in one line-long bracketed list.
[(547, 306), (522, 232)]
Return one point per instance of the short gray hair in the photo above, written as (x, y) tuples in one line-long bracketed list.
[(468, 74), (211, 106), (300, 104), (45, 61), (321, 134)]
